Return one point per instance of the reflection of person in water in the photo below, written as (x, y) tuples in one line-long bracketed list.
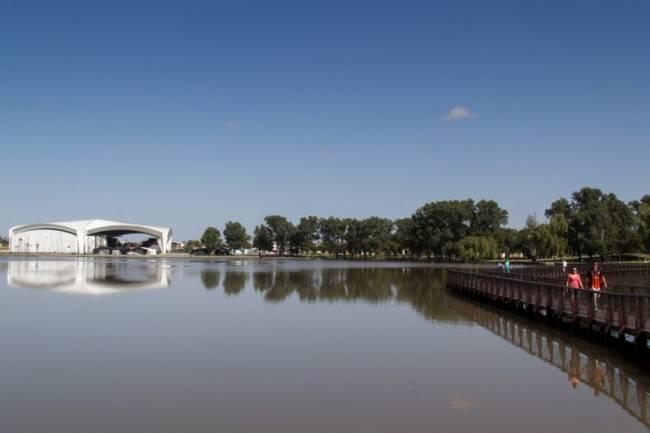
[(598, 376), (574, 369)]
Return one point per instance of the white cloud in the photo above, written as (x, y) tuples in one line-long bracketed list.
[(231, 125), (459, 112)]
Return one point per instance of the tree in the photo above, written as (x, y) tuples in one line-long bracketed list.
[(642, 215), (541, 240), (478, 248), (378, 235), (211, 238), (305, 235), (332, 235), (487, 218), (507, 240), (597, 223), (403, 236), (619, 234), (236, 236), (281, 230), (263, 238), (439, 226)]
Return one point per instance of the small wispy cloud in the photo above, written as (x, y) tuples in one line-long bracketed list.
[(459, 112), (232, 125)]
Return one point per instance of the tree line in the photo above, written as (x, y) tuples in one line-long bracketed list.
[(590, 223)]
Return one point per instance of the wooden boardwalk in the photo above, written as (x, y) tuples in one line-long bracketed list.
[(623, 314)]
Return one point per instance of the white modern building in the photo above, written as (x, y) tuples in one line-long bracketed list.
[(79, 237)]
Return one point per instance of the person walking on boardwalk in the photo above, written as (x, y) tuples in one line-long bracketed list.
[(564, 266), (573, 280), (595, 281), (506, 265), (595, 278)]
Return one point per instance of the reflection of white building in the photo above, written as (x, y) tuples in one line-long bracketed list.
[(78, 237), (87, 277)]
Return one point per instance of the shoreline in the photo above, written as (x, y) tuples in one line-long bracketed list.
[(187, 256)]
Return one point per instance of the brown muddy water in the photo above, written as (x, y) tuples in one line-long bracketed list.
[(111, 345)]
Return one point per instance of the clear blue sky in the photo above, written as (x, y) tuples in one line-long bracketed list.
[(188, 114)]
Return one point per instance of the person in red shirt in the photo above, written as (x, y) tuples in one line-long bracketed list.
[(595, 281)]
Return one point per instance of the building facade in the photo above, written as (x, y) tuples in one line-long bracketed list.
[(79, 237)]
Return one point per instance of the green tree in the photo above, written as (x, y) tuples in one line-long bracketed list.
[(439, 226), (507, 240), (403, 236), (642, 215), (478, 248), (305, 235), (332, 235), (263, 238), (377, 235), (487, 218), (236, 236), (281, 229), (597, 223), (211, 238), (541, 240)]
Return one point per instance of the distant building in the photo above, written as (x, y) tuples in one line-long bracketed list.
[(79, 237), (177, 246)]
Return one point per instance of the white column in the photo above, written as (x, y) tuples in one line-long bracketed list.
[(81, 241)]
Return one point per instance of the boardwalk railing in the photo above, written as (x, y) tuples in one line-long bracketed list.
[(617, 314), (559, 278), (556, 272)]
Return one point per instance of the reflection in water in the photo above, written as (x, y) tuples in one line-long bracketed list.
[(423, 288), (584, 363), (234, 282), (87, 277), (210, 279)]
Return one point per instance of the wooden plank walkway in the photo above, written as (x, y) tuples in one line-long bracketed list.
[(624, 316)]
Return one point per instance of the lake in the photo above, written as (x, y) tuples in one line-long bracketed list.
[(121, 345)]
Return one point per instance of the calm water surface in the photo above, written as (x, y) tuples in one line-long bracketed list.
[(112, 345)]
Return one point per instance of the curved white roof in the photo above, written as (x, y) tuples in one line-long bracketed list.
[(83, 228), (90, 225)]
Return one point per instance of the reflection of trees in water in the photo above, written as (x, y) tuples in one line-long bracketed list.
[(234, 282), (210, 279), (423, 288)]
